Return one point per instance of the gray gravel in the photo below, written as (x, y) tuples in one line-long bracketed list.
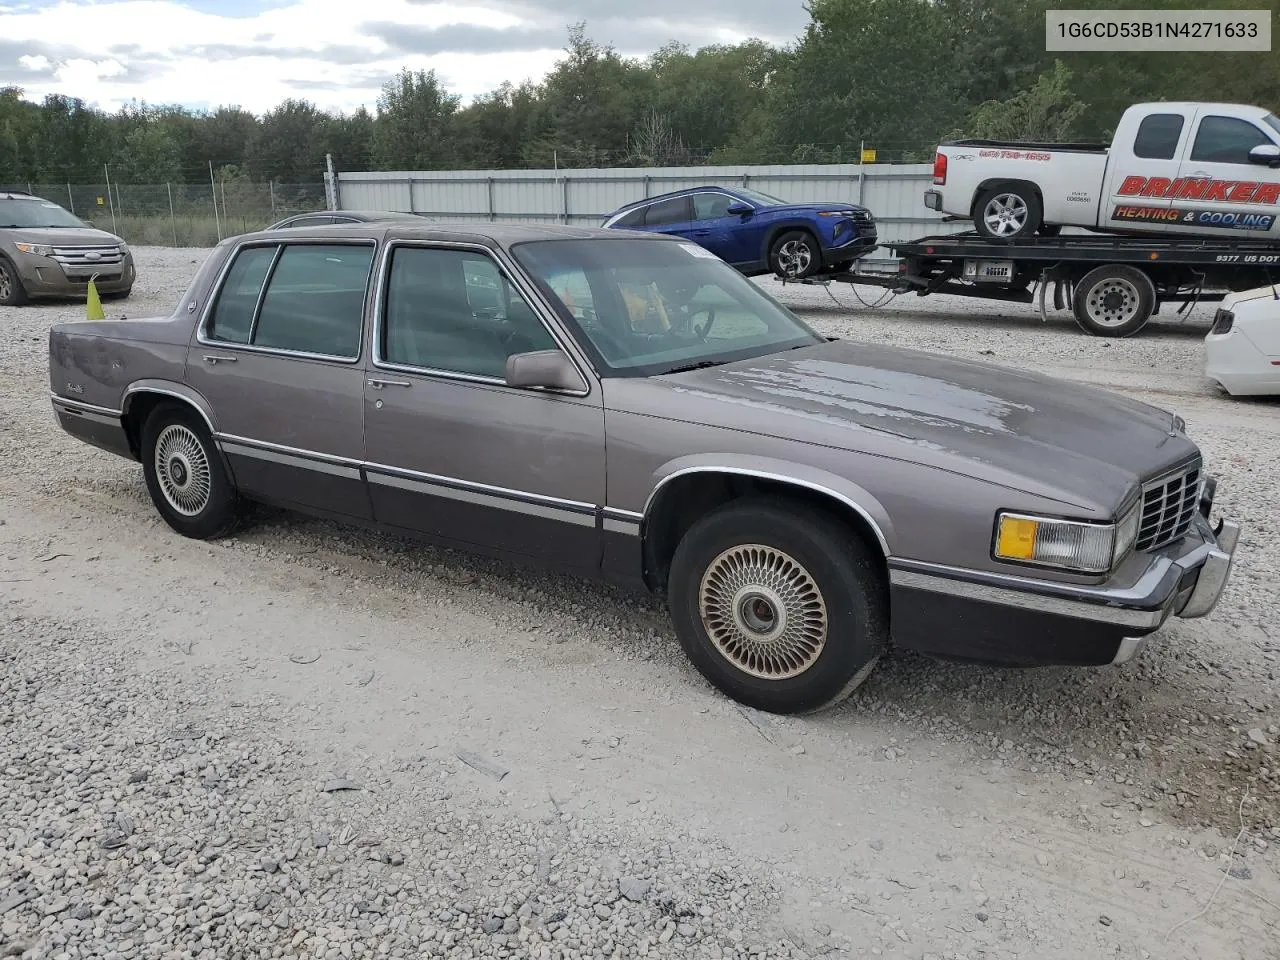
[(182, 726)]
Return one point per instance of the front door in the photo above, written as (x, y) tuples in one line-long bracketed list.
[(451, 450), (277, 357), (1228, 194), (713, 228)]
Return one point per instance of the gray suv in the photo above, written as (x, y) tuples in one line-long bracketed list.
[(628, 406), (46, 251)]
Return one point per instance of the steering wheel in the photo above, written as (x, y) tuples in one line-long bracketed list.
[(701, 332)]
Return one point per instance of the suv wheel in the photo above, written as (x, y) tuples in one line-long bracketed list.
[(12, 293), (778, 608), (795, 255), (185, 475)]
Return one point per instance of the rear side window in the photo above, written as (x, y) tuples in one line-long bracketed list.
[(1226, 140), (1158, 136), (633, 218), (315, 300), (232, 318), (667, 211)]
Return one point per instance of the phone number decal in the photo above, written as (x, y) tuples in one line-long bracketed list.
[(1159, 30)]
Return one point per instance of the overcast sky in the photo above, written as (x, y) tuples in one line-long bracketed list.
[(336, 53)]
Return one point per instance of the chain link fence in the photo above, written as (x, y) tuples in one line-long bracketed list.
[(181, 214)]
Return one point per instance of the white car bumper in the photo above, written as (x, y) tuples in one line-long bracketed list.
[(1233, 361)]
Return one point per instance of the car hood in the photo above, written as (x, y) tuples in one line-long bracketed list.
[(817, 207), (62, 236), (1029, 432)]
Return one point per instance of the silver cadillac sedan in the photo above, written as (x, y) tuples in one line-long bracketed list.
[(630, 407)]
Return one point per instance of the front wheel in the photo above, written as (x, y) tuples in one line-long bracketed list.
[(795, 255), (12, 293), (781, 609), (185, 475)]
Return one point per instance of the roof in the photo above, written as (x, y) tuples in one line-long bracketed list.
[(718, 188), (500, 234)]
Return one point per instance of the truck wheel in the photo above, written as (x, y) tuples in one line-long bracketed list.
[(1008, 212), (12, 293), (778, 608), (1113, 300), (795, 254)]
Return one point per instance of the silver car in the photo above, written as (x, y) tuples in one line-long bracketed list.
[(46, 251), (630, 407)]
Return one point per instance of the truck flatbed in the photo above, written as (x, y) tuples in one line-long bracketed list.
[(1112, 283)]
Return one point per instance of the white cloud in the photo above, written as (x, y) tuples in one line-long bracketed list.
[(162, 52)]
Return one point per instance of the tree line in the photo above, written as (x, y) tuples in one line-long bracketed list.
[(896, 75)]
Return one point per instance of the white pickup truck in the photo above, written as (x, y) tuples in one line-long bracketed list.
[(1181, 169)]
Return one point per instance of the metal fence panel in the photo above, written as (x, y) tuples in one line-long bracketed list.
[(586, 197)]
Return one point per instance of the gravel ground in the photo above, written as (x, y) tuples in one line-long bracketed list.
[(313, 741)]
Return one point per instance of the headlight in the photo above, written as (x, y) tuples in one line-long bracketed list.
[(1065, 544), (35, 249), (836, 213)]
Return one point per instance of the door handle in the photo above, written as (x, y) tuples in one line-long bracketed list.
[(378, 383), (212, 358), (701, 233)]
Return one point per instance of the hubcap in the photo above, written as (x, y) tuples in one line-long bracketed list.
[(182, 470), (1112, 303), (1006, 214), (6, 283), (763, 611), (794, 257)]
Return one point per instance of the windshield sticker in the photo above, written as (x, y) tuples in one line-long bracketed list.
[(697, 251)]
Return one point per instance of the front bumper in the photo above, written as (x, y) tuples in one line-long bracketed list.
[(974, 615), (850, 248), (45, 277)]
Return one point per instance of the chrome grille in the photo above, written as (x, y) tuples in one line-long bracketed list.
[(1168, 507), (862, 216), (89, 256)]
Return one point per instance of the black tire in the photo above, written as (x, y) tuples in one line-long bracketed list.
[(12, 292), (193, 455), (118, 295), (825, 559), (1022, 217), (1114, 300), (798, 250)]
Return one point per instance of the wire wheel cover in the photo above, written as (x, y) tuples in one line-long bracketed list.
[(182, 470), (763, 611)]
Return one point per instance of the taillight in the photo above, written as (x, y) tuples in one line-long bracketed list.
[(940, 168), (1222, 321)]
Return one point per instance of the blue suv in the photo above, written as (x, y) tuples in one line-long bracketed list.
[(755, 232)]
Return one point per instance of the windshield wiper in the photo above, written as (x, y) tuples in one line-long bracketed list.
[(699, 365)]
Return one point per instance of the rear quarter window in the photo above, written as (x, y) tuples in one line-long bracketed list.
[(1158, 136)]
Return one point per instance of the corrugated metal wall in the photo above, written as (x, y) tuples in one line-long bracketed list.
[(894, 192)]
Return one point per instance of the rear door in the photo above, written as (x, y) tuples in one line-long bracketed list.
[(670, 216), (1223, 191), (1143, 173), (277, 355)]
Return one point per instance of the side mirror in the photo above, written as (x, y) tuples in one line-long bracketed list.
[(548, 369), (1265, 154), (739, 209)]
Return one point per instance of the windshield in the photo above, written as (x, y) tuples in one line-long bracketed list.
[(757, 197), (1272, 121), (35, 213), (650, 307)]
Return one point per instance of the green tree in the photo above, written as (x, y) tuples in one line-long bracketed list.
[(414, 129), (1047, 110)]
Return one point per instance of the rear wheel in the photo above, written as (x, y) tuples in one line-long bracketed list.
[(1008, 212), (779, 608), (185, 475), (1114, 300), (795, 254), (12, 293)]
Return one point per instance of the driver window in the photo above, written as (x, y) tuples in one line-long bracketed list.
[(710, 206), (454, 310), (1226, 140)]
